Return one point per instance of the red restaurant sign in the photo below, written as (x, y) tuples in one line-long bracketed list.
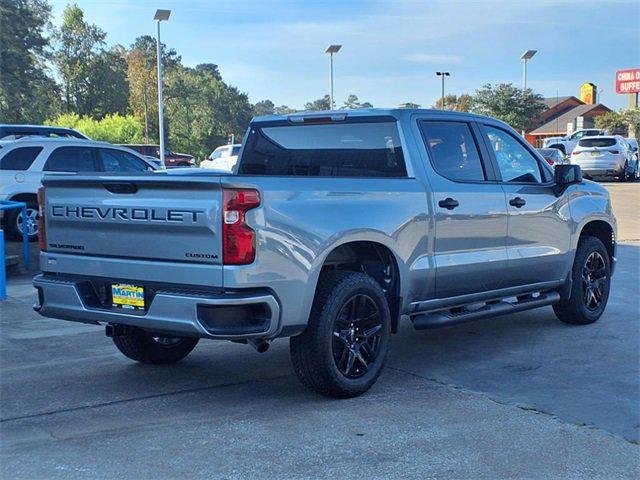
[(628, 81)]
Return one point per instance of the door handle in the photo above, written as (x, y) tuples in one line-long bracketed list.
[(448, 203), (517, 202)]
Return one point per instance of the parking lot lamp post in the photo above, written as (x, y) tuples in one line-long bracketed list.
[(331, 49), (442, 74), (159, 17), (528, 55)]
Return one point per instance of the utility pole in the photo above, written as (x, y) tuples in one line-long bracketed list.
[(442, 74)]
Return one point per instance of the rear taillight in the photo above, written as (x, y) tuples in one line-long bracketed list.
[(42, 234), (549, 161), (615, 152), (238, 239), (575, 153)]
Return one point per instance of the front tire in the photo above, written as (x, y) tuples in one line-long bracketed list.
[(342, 351), (146, 347), (591, 275)]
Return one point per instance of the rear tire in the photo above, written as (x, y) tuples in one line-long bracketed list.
[(343, 349), (13, 222), (145, 347), (591, 283)]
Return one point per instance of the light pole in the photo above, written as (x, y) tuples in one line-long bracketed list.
[(528, 55), (442, 74), (161, 15), (331, 49)]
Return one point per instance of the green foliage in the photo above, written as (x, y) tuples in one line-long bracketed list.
[(352, 102), (323, 103), (457, 103), (201, 109), (409, 105), (265, 107), (284, 110), (27, 93), (520, 109), (113, 128), (623, 121)]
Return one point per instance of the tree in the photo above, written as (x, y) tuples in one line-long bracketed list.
[(520, 109), (460, 103), (408, 105), (320, 104), (625, 121), (284, 110), (201, 109), (264, 107), (352, 103), (79, 44), (142, 77), (27, 93)]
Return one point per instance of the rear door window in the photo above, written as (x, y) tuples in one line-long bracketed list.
[(453, 150), (19, 158), (118, 161), (369, 149), (71, 159)]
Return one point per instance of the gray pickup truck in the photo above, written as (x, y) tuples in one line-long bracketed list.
[(333, 228)]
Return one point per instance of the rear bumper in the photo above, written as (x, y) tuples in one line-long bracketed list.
[(228, 316)]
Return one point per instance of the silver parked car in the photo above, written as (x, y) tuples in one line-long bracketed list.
[(606, 156)]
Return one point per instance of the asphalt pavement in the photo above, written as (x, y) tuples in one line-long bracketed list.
[(519, 396)]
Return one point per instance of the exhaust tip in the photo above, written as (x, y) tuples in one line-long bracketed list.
[(261, 346)]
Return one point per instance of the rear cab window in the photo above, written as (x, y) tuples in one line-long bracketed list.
[(19, 158), (346, 149)]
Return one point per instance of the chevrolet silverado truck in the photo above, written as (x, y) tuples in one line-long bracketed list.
[(333, 228)]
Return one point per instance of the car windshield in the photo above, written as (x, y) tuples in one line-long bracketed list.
[(597, 142)]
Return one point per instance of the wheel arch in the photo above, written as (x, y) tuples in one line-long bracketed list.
[(373, 257), (604, 232)]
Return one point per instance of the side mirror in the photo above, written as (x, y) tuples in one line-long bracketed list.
[(565, 175)]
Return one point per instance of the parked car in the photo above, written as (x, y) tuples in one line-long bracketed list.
[(567, 143), (336, 226), (633, 143), (13, 132), (24, 162), (606, 156), (553, 156), (171, 159), (222, 158)]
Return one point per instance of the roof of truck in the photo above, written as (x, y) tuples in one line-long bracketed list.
[(367, 112)]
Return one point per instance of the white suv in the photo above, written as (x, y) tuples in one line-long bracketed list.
[(568, 143), (606, 156), (23, 162)]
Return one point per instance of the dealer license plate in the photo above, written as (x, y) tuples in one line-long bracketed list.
[(124, 295)]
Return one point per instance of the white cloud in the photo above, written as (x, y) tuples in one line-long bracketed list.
[(431, 58)]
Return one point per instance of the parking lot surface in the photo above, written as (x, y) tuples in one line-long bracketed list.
[(513, 396)]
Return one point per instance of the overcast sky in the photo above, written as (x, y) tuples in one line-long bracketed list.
[(391, 49)]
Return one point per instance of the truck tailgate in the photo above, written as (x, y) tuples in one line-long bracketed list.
[(150, 217)]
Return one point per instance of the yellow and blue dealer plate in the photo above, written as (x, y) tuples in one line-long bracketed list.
[(127, 296)]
